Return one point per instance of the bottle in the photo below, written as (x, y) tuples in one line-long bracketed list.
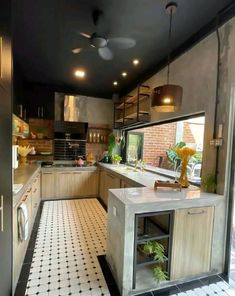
[(94, 137), (98, 137), (90, 137)]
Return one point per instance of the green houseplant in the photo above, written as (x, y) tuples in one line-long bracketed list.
[(209, 183), (173, 156), (116, 158), (157, 251), (111, 144)]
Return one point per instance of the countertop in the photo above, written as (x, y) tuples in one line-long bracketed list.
[(146, 199), (24, 174), (75, 168), (142, 178)]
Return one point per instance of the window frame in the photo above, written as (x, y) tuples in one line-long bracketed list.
[(166, 121)]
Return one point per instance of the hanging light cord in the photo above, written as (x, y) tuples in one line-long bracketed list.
[(169, 47)]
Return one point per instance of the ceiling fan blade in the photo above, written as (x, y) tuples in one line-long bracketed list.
[(105, 53), (122, 42), (76, 50), (86, 35)]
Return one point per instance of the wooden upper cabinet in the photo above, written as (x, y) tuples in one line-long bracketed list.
[(192, 239)]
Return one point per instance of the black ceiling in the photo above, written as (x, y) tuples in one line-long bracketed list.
[(45, 31)]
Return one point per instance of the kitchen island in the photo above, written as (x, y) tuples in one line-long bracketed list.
[(195, 233)]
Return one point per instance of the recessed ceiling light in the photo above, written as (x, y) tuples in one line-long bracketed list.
[(79, 73), (115, 83), (124, 74), (136, 62)]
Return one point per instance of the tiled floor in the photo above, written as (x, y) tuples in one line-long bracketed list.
[(214, 285), (71, 234)]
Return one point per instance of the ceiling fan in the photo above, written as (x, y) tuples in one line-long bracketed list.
[(102, 43)]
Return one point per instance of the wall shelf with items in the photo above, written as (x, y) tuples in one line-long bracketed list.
[(133, 109), (20, 128), (98, 135)]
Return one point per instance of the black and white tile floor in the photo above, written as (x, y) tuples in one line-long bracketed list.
[(71, 234)]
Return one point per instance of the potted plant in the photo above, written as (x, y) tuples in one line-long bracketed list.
[(209, 183), (40, 132), (156, 251), (116, 159), (111, 146)]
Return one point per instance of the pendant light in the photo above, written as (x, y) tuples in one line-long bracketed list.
[(168, 97)]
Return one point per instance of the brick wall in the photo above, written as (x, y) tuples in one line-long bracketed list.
[(157, 139)]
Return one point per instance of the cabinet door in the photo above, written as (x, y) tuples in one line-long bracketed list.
[(191, 250), (111, 182), (85, 184), (91, 188), (36, 195), (64, 184), (79, 184), (48, 185), (102, 185)]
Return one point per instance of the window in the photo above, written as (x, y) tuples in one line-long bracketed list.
[(155, 145), (135, 146)]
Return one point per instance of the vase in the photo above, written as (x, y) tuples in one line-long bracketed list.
[(23, 159), (182, 174)]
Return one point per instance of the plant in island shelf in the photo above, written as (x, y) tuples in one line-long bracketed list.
[(184, 153), (157, 251)]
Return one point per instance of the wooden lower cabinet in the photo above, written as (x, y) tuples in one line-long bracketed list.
[(107, 181), (64, 184), (36, 195), (48, 185), (192, 240), (68, 184)]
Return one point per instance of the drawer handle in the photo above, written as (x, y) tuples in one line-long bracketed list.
[(111, 176), (1, 211), (77, 173), (47, 173), (197, 213), (35, 190), (29, 190), (24, 199)]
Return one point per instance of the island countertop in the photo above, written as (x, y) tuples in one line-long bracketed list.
[(140, 200)]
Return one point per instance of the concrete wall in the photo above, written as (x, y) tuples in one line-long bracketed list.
[(195, 71)]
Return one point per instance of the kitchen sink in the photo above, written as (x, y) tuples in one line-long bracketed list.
[(125, 169)]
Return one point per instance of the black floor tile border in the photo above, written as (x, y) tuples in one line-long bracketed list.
[(24, 274), (112, 286)]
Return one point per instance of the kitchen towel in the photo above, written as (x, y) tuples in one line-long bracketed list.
[(23, 223)]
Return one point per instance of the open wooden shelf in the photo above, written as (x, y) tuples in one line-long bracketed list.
[(130, 111), (133, 100)]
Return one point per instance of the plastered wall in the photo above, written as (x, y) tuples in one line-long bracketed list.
[(196, 72)]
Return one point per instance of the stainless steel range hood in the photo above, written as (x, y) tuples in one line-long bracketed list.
[(75, 108), (73, 116)]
